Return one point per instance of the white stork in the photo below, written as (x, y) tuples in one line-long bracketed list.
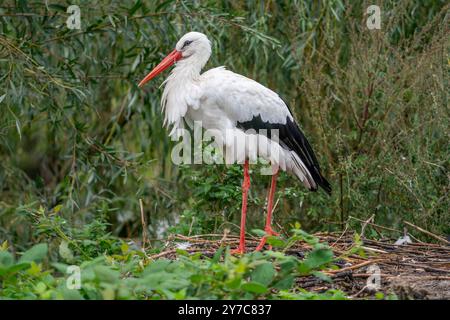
[(223, 100)]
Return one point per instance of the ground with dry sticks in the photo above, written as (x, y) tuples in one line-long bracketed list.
[(412, 271)]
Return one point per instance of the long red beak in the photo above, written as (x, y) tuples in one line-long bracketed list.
[(173, 57)]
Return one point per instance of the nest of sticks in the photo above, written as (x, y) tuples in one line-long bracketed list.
[(411, 271)]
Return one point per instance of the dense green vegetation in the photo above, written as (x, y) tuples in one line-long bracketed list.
[(80, 144), (123, 273)]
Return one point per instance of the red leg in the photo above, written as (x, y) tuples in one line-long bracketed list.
[(245, 188), (268, 227)]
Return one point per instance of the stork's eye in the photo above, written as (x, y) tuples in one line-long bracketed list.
[(186, 43)]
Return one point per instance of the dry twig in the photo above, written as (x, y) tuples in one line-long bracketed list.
[(144, 225), (427, 232)]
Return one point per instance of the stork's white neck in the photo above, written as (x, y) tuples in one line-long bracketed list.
[(185, 71), (180, 89), (183, 76), (182, 86)]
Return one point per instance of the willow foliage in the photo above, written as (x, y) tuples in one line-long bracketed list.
[(79, 140)]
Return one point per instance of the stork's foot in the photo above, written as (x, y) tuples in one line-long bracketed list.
[(269, 232), (238, 251)]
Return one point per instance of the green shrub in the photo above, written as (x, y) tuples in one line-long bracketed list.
[(80, 144)]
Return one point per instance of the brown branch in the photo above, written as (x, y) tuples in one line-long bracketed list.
[(363, 228), (144, 225), (427, 232), (356, 266), (376, 225)]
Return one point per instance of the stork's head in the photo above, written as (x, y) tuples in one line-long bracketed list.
[(193, 49), (195, 45)]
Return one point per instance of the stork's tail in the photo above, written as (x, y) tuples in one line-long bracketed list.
[(311, 180)]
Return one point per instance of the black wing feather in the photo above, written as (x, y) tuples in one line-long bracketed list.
[(291, 137)]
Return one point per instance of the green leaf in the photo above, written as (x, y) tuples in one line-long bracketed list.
[(65, 252), (106, 274), (285, 283), (302, 235), (288, 266), (379, 295), (6, 259), (124, 247), (108, 293), (69, 294), (234, 283), (180, 295), (259, 232), (275, 254), (18, 267), (157, 266), (322, 276), (61, 267), (276, 242), (58, 7), (318, 257), (197, 278), (37, 253), (217, 255), (40, 287), (263, 273), (254, 287), (135, 8)]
